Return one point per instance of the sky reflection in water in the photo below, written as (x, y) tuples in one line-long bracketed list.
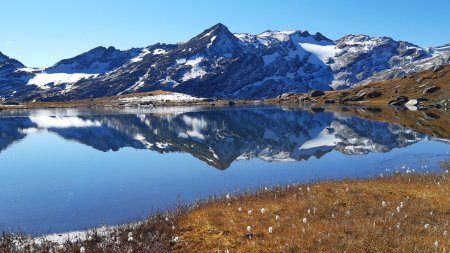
[(68, 170)]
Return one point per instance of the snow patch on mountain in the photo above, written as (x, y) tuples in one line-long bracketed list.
[(196, 70), (140, 57), (167, 97), (159, 51), (29, 70), (181, 61), (194, 60), (322, 52), (43, 80)]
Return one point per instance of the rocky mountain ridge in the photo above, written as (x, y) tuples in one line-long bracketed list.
[(220, 64)]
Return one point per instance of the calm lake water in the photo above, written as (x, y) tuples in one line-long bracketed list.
[(64, 170)]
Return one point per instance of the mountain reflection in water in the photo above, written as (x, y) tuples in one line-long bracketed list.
[(63, 170), (219, 137)]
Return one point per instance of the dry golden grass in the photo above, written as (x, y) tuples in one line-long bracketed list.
[(344, 216), (341, 217)]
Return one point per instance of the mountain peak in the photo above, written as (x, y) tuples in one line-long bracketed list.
[(2, 57), (218, 29), (217, 39), (319, 37), (5, 59)]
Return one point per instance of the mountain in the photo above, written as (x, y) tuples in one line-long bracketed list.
[(219, 63), (96, 61), (10, 76), (18, 81), (220, 136), (443, 48)]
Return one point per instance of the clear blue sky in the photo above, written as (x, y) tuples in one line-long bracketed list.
[(41, 32)]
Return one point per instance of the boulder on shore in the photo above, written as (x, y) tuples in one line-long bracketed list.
[(317, 93), (357, 97), (400, 100), (11, 103), (431, 89), (374, 94)]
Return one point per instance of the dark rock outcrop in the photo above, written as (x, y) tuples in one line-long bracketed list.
[(374, 94), (317, 93), (431, 89), (399, 101)]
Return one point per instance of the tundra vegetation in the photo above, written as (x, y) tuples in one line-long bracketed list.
[(399, 213)]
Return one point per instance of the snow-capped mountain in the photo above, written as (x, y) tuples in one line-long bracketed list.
[(218, 63), (96, 61), (18, 81), (443, 48), (221, 136)]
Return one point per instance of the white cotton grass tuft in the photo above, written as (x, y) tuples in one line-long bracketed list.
[(270, 230), (249, 212), (426, 226), (436, 244), (402, 205), (305, 220), (383, 203), (82, 250), (249, 229), (130, 239), (240, 209), (130, 234), (398, 209), (277, 217), (228, 196), (263, 210), (308, 189), (445, 233)]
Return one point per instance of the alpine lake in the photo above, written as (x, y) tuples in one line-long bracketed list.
[(73, 169)]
